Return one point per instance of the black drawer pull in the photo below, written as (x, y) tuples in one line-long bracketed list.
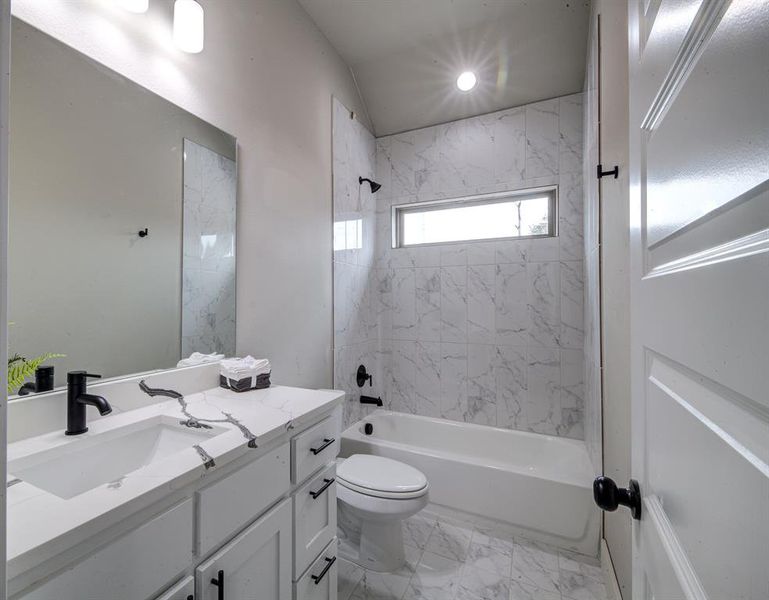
[(190, 597), (326, 443), (219, 583), (326, 484), (329, 563)]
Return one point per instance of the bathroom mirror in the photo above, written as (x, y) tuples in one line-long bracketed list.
[(122, 212)]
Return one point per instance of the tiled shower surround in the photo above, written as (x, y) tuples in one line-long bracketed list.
[(483, 332), (356, 333), (208, 271)]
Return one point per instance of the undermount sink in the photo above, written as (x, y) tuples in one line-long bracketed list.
[(94, 460)]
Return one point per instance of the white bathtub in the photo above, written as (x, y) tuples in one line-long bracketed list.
[(538, 485)]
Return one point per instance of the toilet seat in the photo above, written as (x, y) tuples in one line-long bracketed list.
[(381, 477), (374, 496)]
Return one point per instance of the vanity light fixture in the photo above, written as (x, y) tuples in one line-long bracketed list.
[(466, 81), (135, 6), (188, 26)]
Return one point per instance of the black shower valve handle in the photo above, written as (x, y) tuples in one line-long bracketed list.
[(362, 375)]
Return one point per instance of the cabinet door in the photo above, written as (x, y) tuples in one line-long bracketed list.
[(184, 590), (256, 564)]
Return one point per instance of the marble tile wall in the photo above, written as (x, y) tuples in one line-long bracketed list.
[(488, 332), (208, 267), (356, 330)]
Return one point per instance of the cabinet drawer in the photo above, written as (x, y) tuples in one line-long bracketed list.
[(314, 518), (315, 447), (184, 590), (135, 567), (228, 505), (256, 565), (316, 584)]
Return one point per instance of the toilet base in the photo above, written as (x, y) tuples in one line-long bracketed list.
[(381, 546), (370, 541)]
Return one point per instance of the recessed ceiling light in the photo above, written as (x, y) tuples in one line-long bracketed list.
[(466, 81)]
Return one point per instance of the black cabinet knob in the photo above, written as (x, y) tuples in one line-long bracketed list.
[(608, 496)]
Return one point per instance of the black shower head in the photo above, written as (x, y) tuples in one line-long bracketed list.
[(374, 185)]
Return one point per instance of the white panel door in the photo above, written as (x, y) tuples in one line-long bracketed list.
[(699, 189), (255, 565)]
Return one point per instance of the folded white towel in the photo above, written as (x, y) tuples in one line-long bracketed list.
[(238, 368), (196, 358)]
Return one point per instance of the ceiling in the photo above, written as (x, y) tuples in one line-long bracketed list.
[(406, 54)]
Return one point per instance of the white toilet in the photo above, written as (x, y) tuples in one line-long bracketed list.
[(374, 495)]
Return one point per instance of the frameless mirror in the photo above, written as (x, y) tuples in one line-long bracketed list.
[(122, 219)]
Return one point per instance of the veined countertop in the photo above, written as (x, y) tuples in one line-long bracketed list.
[(41, 525)]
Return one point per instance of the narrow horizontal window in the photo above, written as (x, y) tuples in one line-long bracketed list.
[(519, 214)]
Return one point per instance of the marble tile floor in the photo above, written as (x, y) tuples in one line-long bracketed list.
[(448, 559)]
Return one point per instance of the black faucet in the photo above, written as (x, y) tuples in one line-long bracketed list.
[(77, 400)]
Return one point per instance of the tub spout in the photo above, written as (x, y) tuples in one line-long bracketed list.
[(370, 400)]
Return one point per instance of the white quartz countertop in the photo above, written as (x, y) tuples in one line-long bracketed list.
[(41, 525)]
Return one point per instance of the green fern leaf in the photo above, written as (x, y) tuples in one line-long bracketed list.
[(20, 369)]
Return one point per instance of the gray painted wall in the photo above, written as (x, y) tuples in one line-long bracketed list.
[(95, 158), (266, 76)]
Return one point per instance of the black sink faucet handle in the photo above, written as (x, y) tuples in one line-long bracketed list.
[(77, 376)]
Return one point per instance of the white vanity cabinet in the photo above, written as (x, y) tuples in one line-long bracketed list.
[(313, 472), (134, 566), (261, 528), (256, 564)]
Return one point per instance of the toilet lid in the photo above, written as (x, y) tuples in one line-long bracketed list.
[(380, 474)]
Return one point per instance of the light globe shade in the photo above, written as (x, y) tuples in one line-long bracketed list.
[(134, 6), (466, 81), (188, 26)]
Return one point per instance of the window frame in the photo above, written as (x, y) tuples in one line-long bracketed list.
[(398, 210)]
